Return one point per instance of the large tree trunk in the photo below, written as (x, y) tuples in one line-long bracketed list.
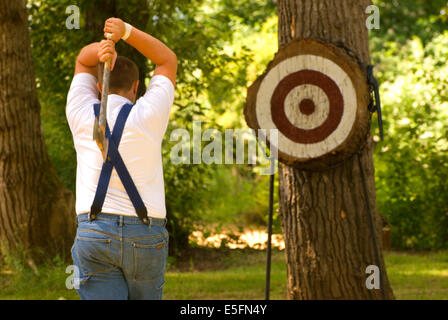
[(324, 214), (36, 211)]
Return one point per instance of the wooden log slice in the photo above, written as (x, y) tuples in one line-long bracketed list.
[(316, 95)]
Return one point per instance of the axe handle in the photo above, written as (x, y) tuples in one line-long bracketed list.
[(104, 94), (99, 128)]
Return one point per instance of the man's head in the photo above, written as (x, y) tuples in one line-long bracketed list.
[(123, 78)]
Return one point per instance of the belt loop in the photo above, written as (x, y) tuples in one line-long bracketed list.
[(121, 221), (149, 222)]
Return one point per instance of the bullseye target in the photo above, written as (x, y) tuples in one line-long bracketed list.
[(311, 93)]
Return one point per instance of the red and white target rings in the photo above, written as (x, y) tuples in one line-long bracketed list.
[(308, 103), (316, 96)]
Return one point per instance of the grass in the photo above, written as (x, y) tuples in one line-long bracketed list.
[(234, 274), (418, 276), (240, 274)]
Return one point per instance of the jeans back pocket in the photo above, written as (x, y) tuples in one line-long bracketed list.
[(150, 258), (93, 252)]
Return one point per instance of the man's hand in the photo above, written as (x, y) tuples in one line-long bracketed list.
[(116, 27), (107, 51), (152, 48)]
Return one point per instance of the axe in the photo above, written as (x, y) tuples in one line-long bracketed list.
[(99, 127)]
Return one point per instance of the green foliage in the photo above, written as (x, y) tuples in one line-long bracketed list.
[(403, 19), (412, 162), (240, 198), (410, 55), (53, 63)]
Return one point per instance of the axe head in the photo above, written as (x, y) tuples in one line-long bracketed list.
[(99, 135)]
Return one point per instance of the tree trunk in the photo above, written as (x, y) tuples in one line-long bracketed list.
[(324, 214), (37, 214)]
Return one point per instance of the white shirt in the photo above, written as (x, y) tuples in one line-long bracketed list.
[(140, 145)]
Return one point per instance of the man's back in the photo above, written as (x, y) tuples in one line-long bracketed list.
[(140, 146)]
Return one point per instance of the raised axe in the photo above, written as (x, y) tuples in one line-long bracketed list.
[(99, 127)]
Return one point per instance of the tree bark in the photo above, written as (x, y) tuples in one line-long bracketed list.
[(37, 214), (324, 214)]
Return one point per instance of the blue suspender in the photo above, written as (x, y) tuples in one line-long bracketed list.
[(114, 160)]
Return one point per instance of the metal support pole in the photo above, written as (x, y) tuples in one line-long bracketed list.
[(269, 248)]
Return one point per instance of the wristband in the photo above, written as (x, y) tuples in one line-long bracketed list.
[(127, 32)]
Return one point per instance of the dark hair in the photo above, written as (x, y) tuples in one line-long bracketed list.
[(124, 74)]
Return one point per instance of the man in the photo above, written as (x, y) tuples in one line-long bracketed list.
[(119, 254)]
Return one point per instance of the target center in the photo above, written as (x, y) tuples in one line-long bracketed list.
[(307, 106), (312, 113)]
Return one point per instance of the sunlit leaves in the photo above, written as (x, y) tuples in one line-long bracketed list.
[(412, 162)]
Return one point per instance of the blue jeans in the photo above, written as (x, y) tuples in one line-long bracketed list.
[(120, 258)]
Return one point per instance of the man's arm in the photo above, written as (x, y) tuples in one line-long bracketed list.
[(152, 48), (94, 53), (87, 60)]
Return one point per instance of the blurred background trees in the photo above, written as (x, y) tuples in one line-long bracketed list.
[(410, 53), (222, 46)]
